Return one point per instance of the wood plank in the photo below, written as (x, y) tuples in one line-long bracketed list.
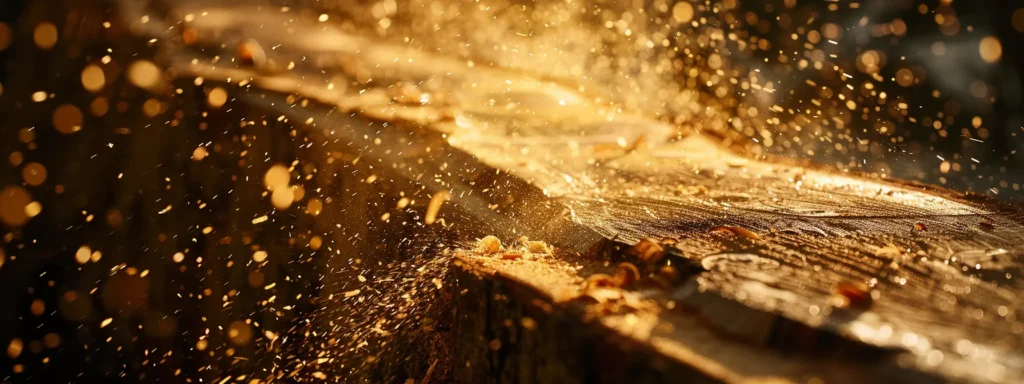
[(774, 240)]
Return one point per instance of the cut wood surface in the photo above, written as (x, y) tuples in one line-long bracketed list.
[(785, 270)]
